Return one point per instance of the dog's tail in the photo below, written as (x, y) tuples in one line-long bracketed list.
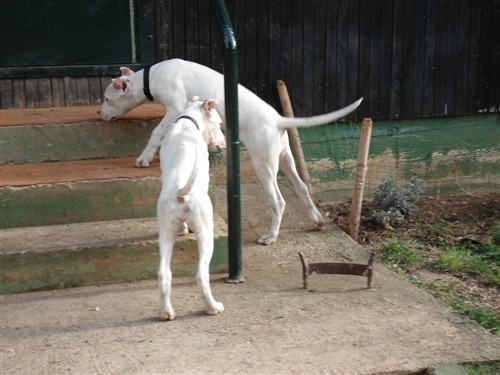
[(182, 192), (303, 122)]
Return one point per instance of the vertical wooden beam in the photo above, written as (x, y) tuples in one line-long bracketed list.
[(359, 182)]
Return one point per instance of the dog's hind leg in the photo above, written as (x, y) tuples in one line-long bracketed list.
[(267, 176), (205, 238), (166, 243), (264, 154), (287, 165)]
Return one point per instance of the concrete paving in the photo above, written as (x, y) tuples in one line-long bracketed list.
[(270, 325)]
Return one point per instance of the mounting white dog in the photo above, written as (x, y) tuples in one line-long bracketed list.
[(262, 129), (184, 195)]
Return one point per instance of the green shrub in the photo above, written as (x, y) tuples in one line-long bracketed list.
[(391, 206)]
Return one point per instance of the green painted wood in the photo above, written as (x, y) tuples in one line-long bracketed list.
[(64, 142), (81, 201), (62, 269), (68, 46)]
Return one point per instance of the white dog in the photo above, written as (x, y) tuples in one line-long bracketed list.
[(262, 129), (184, 195)]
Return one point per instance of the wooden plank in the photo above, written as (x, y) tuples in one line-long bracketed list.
[(364, 56), (204, 26), (375, 58), (353, 91), (473, 62), (6, 94), (19, 97), (262, 53), (453, 59), (309, 92), (419, 53), (69, 91), (386, 36), (31, 87), (319, 57), (429, 59), (276, 42), (485, 61), (335, 58), (95, 91), (191, 31), (443, 28), (297, 78), (407, 76), (463, 53), (250, 56), (81, 91), (494, 91), (57, 84), (44, 93), (179, 29), (397, 60)]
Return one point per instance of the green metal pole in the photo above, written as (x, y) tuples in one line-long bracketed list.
[(232, 140)]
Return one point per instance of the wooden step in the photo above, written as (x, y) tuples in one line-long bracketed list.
[(16, 175), (76, 133), (69, 115)]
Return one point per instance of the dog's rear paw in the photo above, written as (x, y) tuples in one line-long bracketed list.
[(167, 315), (217, 308), (266, 239), (320, 224)]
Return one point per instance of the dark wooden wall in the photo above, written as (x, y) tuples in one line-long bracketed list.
[(408, 58)]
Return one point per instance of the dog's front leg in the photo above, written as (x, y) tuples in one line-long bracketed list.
[(155, 141), (166, 243)]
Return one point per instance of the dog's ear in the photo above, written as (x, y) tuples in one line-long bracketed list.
[(126, 71), (122, 83), (127, 86), (117, 83), (210, 104)]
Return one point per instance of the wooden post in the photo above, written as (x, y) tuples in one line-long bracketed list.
[(293, 135), (359, 181)]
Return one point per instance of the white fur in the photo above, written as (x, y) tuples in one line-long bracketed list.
[(184, 196), (262, 129)]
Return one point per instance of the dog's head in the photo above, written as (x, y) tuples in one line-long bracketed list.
[(211, 129), (118, 96)]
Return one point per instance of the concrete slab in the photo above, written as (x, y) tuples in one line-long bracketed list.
[(271, 324)]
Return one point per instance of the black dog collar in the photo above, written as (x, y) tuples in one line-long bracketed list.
[(191, 119), (146, 84)]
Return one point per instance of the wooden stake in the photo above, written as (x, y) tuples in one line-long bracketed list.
[(359, 181), (293, 135)]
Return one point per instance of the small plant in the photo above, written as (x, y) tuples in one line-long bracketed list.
[(484, 316), (397, 252), (459, 259), (496, 235), (391, 206), (482, 368)]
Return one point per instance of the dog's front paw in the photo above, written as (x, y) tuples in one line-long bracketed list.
[(266, 239), (217, 308), (142, 162)]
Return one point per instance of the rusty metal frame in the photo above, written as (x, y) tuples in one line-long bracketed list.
[(337, 269)]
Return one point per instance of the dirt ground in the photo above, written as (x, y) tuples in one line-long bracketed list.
[(271, 325), (466, 220)]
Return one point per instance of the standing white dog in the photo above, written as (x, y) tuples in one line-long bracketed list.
[(262, 129), (184, 195)]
